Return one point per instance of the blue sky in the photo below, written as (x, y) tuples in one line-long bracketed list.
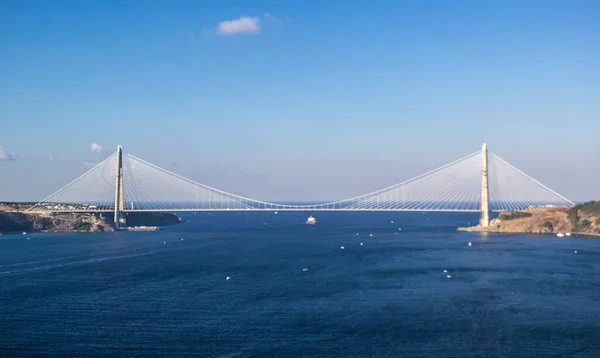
[(295, 100)]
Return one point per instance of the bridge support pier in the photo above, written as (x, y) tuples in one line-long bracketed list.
[(119, 202), (485, 210)]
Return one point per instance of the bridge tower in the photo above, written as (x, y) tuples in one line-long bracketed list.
[(485, 204), (119, 196)]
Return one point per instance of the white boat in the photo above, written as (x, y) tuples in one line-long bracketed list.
[(311, 220), (560, 234)]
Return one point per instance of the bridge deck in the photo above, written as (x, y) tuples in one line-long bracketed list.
[(262, 210)]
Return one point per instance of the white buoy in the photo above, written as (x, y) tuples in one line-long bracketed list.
[(27, 238), (575, 251), (276, 213), (164, 242), (361, 244), (356, 234), (24, 233), (182, 239), (399, 229), (470, 243), (448, 276), (341, 247), (227, 278), (371, 235), (445, 271), (304, 269), (392, 221)]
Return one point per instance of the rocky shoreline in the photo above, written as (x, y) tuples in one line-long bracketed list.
[(11, 221), (581, 219)]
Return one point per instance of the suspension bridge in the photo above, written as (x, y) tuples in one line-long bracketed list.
[(479, 182)]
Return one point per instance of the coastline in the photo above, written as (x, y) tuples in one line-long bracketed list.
[(491, 230), (581, 219), (15, 222)]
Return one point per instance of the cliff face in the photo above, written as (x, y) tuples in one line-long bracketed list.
[(15, 222), (585, 217), (64, 222), (74, 222), (582, 218)]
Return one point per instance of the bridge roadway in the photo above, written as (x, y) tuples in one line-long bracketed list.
[(263, 210)]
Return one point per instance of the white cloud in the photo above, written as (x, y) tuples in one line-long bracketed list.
[(6, 155), (243, 25), (94, 147)]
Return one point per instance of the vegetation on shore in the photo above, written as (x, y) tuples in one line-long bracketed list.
[(81, 225), (511, 215), (581, 214)]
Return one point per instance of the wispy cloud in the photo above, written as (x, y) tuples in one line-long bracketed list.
[(90, 165), (95, 148), (6, 155), (272, 18), (243, 25)]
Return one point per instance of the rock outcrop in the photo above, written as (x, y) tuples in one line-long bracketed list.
[(11, 221), (580, 219)]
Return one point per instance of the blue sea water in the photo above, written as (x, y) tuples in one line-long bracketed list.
[(152, 294)]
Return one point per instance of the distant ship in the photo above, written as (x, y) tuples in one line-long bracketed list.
[(311, 220)]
